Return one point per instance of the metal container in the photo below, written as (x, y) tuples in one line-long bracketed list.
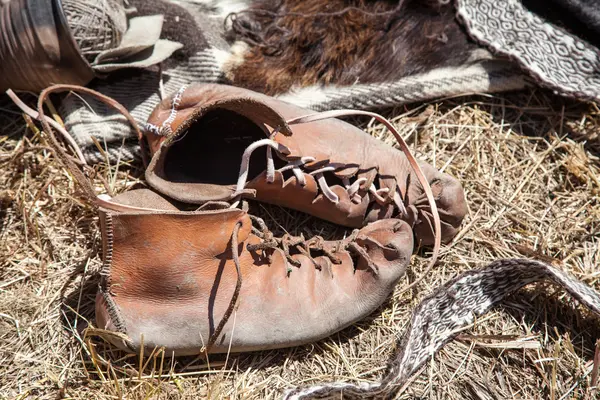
[(37, 48)]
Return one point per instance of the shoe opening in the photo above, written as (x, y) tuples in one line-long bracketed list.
[(211, 150)]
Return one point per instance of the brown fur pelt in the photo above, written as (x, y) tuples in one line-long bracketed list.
[(305, 42)]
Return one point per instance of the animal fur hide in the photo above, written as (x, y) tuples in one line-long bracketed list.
[(291, 43)]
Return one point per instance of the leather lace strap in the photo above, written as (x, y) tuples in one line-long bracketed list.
[(48, 123), (238, 286)]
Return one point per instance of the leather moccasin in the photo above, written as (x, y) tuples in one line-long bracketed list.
[(219, 143), (217, 278)]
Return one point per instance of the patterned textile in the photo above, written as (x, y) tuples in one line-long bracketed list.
[(554, 58)]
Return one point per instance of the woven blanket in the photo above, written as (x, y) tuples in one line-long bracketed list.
[(556, 59), (517, 37)]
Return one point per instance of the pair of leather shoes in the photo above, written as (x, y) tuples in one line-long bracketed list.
[(216, 279)]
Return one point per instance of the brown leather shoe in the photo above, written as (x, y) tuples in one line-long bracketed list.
[(174, 277), (329, 169)]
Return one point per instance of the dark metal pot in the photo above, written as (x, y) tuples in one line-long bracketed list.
[(37, 48)]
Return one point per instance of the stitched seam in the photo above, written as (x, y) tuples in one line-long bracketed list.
[(111, 306), (165, 128), (108, 231), (153, 129), (113, 311)]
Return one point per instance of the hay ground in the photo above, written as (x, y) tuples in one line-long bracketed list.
[(529, 165)]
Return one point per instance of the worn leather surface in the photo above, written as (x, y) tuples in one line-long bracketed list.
[(354, 152), (171, 277)]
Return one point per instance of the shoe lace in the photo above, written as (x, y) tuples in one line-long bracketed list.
[(381, 196), (306, 247)]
